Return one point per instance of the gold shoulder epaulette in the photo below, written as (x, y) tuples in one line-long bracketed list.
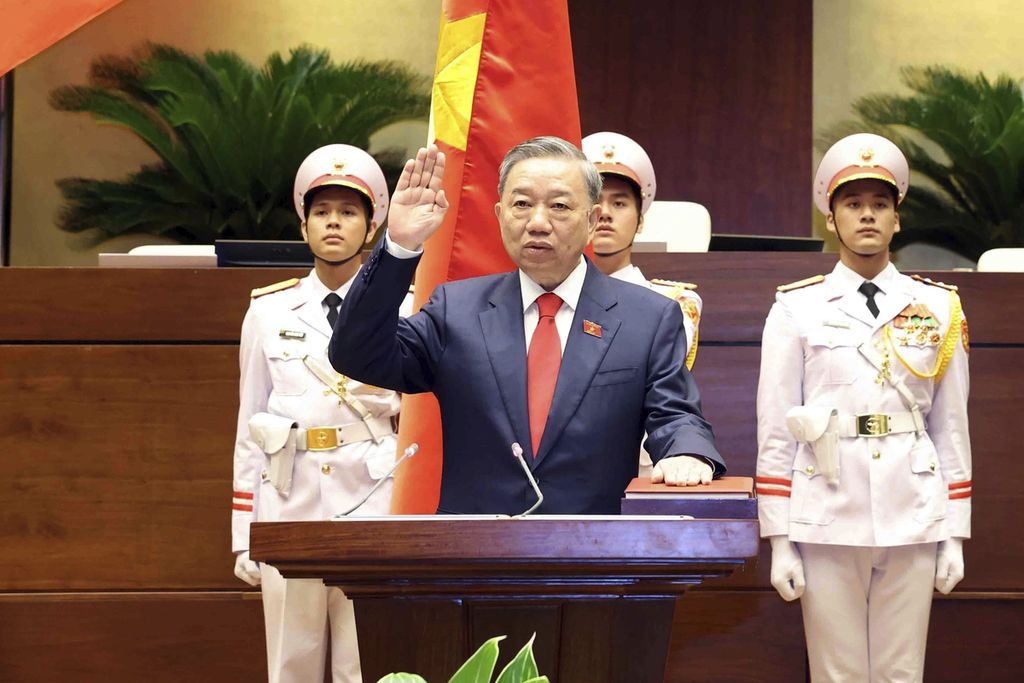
[(933, 283), (806, 282), (276, 287), (672, 283)]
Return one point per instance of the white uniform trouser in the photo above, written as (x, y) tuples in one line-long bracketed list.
[(298, 615), (866, 611)]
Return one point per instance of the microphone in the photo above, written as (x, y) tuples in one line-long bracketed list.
[(409, 452), (517, 451)]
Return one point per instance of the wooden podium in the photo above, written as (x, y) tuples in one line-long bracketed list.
[(599, 591)]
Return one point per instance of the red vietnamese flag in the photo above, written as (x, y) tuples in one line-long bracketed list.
[(504, 74), (31, 27)]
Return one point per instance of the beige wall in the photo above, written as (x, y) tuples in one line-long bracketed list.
[(49, 145), (860, 46)]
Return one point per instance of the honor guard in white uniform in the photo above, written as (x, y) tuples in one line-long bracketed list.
[(864, 457), (629, 186), (311, 443)]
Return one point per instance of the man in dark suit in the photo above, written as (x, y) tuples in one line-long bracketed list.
[(555, 356)]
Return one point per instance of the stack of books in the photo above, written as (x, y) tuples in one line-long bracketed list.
[(725, 498)]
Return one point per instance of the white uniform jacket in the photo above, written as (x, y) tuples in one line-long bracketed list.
[(279, 330), (896, 489), (683, 293)]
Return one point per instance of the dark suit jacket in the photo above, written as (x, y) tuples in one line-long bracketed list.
[(467, 346)]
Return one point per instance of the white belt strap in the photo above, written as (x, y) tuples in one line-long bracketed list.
[(329, 438), (875, 424)]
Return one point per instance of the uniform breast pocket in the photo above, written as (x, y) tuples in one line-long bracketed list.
[(288, 372), (831, 355), (620, 376)]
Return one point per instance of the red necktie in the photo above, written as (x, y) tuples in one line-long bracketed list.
[(542, 363)]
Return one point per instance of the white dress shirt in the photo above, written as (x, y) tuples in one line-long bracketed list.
[(851, 281), (569, 292)]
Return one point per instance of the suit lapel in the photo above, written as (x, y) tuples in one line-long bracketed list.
[(505, 340), (583, 355)]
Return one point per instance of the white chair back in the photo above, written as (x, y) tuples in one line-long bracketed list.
[(1007, 260), (682, 226)]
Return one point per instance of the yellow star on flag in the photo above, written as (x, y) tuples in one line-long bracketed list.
[(458, 60)]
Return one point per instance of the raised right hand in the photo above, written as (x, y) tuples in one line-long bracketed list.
[(787, 568), (246, 569), (418, 206)]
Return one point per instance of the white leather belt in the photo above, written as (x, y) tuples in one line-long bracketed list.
[(875, 424), (329, 438)]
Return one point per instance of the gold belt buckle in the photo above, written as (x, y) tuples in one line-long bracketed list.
[(321, 439), (873, 425)]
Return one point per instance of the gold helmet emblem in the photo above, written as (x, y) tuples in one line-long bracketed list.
[(608, 151), (339, 165), (867, 154)]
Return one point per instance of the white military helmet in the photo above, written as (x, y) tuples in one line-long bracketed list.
[(619, 155), (344, 166), (858, 156)]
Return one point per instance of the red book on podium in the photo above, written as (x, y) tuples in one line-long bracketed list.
[(724, 498)]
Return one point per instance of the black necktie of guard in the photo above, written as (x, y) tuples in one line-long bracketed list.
[(333, 302), (869, 289)]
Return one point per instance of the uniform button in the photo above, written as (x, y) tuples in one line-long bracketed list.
[(809, 469), (932, 467), (263, 475), (326, 469), (285, 354), (875, 455)]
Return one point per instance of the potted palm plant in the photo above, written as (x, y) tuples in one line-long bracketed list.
[(228, 135), (964, 136)]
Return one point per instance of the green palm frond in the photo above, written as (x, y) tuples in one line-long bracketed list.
[(229, 135), (973, 197)]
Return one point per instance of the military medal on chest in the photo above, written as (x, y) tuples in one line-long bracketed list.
[(916, 325)]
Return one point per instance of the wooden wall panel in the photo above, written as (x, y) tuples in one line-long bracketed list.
[(736, 636), (118, 462), (118, 453), (975, 640), (207, 305), (718, 93), (129, 304), (152, 637)]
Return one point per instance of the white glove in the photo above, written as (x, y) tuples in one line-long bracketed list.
[(682, 470), (787, 568), (949, 565), (246, 569)]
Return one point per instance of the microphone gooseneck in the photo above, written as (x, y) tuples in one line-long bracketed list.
[(409, 452), (517, 451)]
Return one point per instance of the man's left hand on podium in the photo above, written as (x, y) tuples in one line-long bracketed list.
[(682, 470)]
